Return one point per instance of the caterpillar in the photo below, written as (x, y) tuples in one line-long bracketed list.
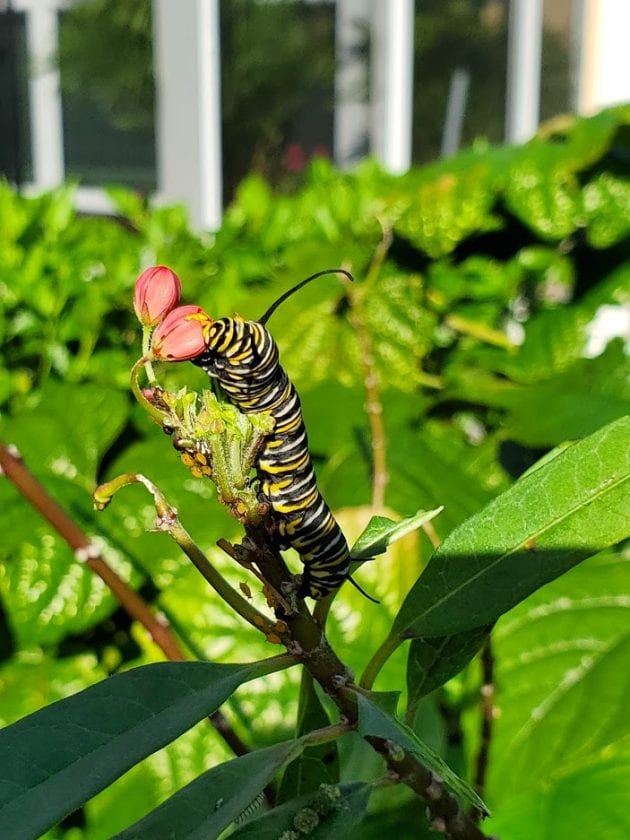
[(243, 357)]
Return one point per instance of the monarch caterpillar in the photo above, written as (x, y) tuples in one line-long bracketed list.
[(243, 356)]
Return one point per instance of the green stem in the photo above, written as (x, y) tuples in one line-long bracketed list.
[(146, 352), (375, 664), (167, 517), (152, 410), (327, 733), (218, 582)]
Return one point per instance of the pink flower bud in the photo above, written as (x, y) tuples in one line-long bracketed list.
[(156, 292), (181, 335)]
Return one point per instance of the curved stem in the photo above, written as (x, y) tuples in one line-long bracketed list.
[(380, 657), (152, 410), (168, 521)]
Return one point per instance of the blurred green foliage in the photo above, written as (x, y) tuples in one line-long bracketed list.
[(489, 290), (279, 93)]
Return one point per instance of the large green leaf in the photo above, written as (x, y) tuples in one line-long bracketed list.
[(202, 809), (561, 676), (69, 429), (333, 812), (55, 759), (375, 722), (566, 511), (588, 800)]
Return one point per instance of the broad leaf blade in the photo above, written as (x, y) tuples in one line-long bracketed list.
[(562, 677), (202, 809), (382, 531), (562, 513), (342, 818), (374, 721), (433, 661), (55, 759)]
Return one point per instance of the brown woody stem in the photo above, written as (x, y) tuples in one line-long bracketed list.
[(308, 642)]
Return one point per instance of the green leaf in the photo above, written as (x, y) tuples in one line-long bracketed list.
[(557, 516), (375, 722), (435, 660), (561, 676), (591, 393), (589, 800), (449, 201), (382, 531), (68, 431), (543, 192), (317, 764), (607, 207), (202, 809), (334, 819), (55, 759)]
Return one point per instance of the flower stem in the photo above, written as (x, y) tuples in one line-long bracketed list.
[(375, 664), (146, 352), (152, 410)]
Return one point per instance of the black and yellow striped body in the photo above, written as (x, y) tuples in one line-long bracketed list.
[(243, 357)]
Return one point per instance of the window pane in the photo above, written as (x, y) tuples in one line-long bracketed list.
[(15, 157), (107, 92)]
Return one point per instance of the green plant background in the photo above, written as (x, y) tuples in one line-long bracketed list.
[(481, 321)]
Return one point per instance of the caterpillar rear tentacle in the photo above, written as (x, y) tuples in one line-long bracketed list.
[(243, 357)]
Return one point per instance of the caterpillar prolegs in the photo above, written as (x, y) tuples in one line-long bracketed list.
[(243, 356)]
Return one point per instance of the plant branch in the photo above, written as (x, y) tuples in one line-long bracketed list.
[(309, 644), (373, 404), (487, 714), (85, 551), (168, 521), (148, 406)]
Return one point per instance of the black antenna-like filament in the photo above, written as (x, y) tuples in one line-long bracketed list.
[(298, 286), (361, 590)]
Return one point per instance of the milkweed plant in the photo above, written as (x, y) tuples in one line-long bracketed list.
[(58, 757)]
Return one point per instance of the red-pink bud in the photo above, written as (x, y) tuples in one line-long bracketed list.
[(156, 292), (181, 335)]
